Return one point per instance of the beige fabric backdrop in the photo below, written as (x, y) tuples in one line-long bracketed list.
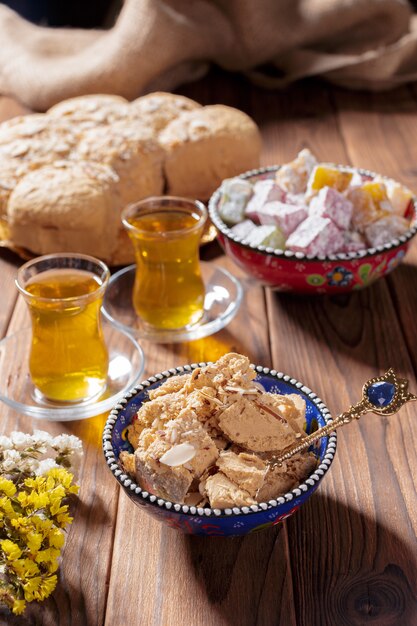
[(158, 44)]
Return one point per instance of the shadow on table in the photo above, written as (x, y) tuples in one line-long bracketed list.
[(357, 324), (353, 572)]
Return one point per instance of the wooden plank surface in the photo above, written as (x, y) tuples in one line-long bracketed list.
[(348, 557), (334, 345)]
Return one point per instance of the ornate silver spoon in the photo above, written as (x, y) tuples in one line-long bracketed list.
[(383, 395)]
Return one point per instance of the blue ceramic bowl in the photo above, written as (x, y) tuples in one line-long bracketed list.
[(207, 521)]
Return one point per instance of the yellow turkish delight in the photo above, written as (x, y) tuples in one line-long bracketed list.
[(328, 176), (378, 193)]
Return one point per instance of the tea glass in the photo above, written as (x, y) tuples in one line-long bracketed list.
[(168, 292), (68, 360)]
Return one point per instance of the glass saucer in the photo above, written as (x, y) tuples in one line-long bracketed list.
[(126, 365), (223, 297)]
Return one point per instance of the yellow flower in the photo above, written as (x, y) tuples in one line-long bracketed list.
[(7, 487), (11, 549), (63, 519), (56, 538), (56, 507), (34, 541), (35, 483), (25, 568), (39, 588), (50, 555), (50, 482), (33, 501), (31, 587), (7, 507), (55, 497), (47, 586), (18, 606), (62, 476), (19, 522), (33, 514), (43, 526)]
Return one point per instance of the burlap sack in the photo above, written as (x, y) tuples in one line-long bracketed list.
[(158, 44)]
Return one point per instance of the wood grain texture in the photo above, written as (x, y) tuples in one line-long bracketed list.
[(348, 557), (334, 345)]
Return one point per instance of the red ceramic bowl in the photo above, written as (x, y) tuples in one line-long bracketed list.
[(294, 271)]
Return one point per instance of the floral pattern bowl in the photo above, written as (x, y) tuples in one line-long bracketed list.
[(218, 522), (294, 271)]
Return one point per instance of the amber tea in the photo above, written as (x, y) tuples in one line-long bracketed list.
[(168, 291), (68, 361)]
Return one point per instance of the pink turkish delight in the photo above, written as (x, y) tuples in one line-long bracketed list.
[(285, 216), (332, 204), (385, 229), (316, 236), (353, 241), (263, 191), (299, 199)]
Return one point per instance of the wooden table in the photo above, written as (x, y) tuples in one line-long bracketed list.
[(349, 556)]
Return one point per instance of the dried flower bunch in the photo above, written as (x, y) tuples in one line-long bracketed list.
[(36, 479)]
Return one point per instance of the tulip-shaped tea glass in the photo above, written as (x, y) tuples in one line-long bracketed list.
[(165, 231), (68, 360)]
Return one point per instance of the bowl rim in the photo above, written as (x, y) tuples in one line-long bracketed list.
[(126, 481), (300, 256)]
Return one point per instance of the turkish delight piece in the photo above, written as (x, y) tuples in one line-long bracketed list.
[(295, 198), (231, 368), (269, 236), (243, 228), (223, 493), (293, 176), (353, 241), (378, 192), (398, 195), (255, 425), (365, 211), (316, 236), (332, 204), (167, 482), (285, 216), (128, 462), (328, 176), (385, 229), (263, 191), (246, 470), (235, 195), (167, 461), (192, 447)]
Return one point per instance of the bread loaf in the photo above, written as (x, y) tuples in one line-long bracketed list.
[(11, 171), (68, 206), (37, 142), (158, 109), (92, 110), (29, 142), (133, 152), (66, 175), (202, 145)]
